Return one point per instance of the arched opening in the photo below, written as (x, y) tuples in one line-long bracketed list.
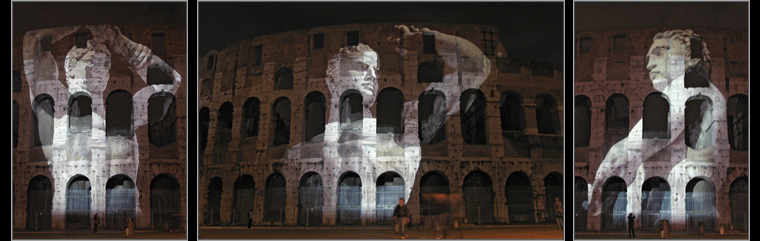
[(472, 107), (281, 121), (78, 201), (214, 202), (478, 198), (432, 117), (700, 205), (120, 201), (274, 201), (430, 72), (656, 116), (390, 108), (80, 114), (160, 74), (203, 121), (698, 120), (283, 79), (581, 203), (390, 187), (738, 197), (519, 193), (119, 114), (582, 121), (547, 115), (15, 124), (251, 117), (737, 113), (512, 111), (242, 202), (553, 188), (39, 203), (616, 118), (315, 116), (162, 118), (44, 117), (349, 199), (655, 203), (614, 204), (351, 110), (310, 199), (165, 202), (223, 125), (434, 194)]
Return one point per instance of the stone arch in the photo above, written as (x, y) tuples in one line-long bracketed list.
[(434, 193), (617, 117), (310, 199), (547, 115), (351, 109), (656, 117), (390, 186), (44, 117), (283, 79), (162, 116), (80, 113), (281, 121), (553, 188), (737, 112), (78, 202), (120, 200), (119, 114), (432, 116), (251, 117), (519, 194), (512, 111), (655, 202), (214, 202), (203, 122), (697, 120), (244, 196), (430, 72), (739, 203), (223, 134), (701, 204), (581, 203), (314, 112), (390, 111), (15, 123), (582, 120), (165, 201), (39, 203), (275, 199), (473, 114), (614, 204), (478, 196), (160, 73), (349, 195)]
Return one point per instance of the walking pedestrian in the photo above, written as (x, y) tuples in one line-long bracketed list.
[(401, 217), (130, 227), (95, 223), (558, 212), (631, 217), (250, 219)]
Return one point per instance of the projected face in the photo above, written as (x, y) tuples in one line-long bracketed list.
[(667, 59), (362, 69)]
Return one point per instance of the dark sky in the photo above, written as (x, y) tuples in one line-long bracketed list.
[(601, 15), (29, 15), (531, 31)]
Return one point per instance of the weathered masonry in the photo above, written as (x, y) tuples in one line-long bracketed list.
[(99, 126), (332, 125), (661, 128)]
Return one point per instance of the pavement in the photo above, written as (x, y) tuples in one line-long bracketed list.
[(533, 231), (102, 234), (687, 235)]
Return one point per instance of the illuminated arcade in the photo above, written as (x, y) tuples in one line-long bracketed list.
[(661, 129), (99, 123), (332, 125)]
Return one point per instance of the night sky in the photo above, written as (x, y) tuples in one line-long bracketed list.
[(532, 31), (601, 15)]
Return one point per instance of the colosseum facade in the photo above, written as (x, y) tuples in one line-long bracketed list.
[(432, 113), (661, 128)]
